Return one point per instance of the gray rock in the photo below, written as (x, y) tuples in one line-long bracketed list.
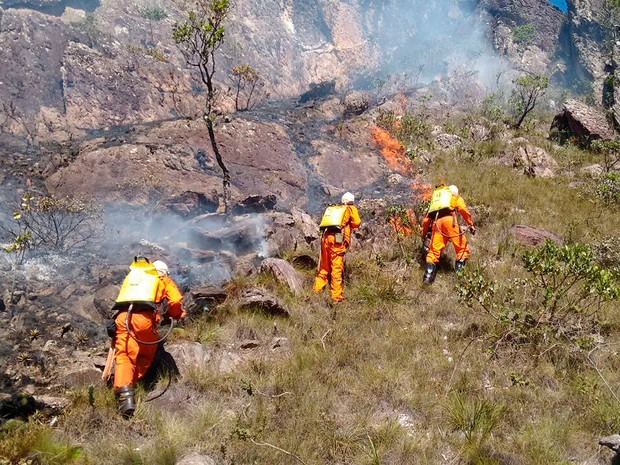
[(593, 170), (194, 458), (355, 103), (284, 273), (613, 442), (534, 161)]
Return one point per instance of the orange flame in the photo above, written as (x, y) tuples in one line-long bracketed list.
[(423, 190), (403, 226), (392, 150)]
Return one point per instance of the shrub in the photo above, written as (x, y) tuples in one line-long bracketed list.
[(606, 187), (55, 224), (560, 300), (524, 35), (610, 150)]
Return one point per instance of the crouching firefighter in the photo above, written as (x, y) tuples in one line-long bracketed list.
[(145, 292), (441, 224), (336, 226)]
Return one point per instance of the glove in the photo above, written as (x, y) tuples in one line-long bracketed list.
[(472, 230)]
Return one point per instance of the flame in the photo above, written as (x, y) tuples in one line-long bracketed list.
[(392, 150), (423, 190), (403, 225)]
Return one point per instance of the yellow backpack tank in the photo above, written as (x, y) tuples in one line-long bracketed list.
[(140, 285), (441, 199), (333, 216)]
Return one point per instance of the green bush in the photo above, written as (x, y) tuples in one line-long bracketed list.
[(559, 300), (524, 34), (606, 187)]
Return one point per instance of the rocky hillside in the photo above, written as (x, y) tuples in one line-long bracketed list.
[(382, 99)]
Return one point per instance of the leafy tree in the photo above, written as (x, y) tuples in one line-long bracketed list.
[(528, 89), (247, 82), (199, 38)]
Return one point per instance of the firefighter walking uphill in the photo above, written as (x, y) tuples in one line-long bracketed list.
[(336, 226), (146, 290), (442, 224)]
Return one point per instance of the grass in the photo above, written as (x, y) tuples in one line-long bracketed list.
[(396, 374)]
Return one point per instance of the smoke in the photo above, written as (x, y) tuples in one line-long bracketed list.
[(427, 40), (205, 248)]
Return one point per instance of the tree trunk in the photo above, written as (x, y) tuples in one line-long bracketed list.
[(220, 162)]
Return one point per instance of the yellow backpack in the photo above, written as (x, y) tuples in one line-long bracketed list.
[(140, 285), (441, 199), (332, 218)]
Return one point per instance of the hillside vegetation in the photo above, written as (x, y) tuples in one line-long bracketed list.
[(513, 362)]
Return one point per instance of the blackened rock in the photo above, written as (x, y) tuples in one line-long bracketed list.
[(189, 204), (255, 204)]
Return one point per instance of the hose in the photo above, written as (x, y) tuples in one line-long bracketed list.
[(135, 338)]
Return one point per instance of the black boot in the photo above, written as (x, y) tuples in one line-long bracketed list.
[(429, 275), (459, 264), (126, 401)]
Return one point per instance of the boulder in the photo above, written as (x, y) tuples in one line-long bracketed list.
[(189, 204), (206, 297), (355, 103), (284, 273), (258, 299), (613, 442), (582, 122), (190, 355), (104, 299), (593, 170), (532, 236), (534, 161), (446, 141), (255, 204), (318, 91)]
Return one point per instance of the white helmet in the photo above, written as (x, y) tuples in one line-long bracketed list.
[(348, 198), (454, 189), (161, 268)]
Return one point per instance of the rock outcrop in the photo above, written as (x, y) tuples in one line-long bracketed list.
[(581, 122)]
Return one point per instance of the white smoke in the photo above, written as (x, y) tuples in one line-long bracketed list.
[(424, 40)]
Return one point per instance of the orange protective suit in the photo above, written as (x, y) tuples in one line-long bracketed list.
[(132, 358), (445, 227), (331, 261)]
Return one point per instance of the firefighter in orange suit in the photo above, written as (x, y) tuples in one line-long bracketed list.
[(442, 224), (133, 358), (336, 226)]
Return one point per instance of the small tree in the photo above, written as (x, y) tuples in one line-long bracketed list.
[(199, 38), (528, 89), (12, 120), (610, 149), (248, 86), (153, 13)]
